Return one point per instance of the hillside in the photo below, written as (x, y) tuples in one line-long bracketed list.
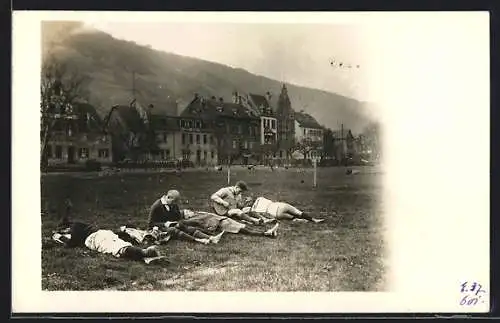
[(161, 78)]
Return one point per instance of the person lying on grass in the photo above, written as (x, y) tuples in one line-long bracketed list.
[(173, 230), (228, 201), (165, 215), (277, 210), (80, 234), (210, 223)]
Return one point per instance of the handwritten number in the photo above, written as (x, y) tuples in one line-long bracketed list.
[(471, 297)]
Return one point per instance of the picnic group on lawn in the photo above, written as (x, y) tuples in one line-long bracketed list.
[(231, 213)]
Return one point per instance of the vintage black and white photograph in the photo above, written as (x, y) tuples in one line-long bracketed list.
[(169, 171), (244, 156)]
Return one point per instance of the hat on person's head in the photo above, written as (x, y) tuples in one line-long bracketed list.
[(242, 185)]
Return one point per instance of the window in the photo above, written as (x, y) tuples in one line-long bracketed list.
[(213, 154), (183, 138), (235, 144), (204, 139), (197, 138), (103, 153), (281, 153), (83, 153), (250, 128), (49, 151), (204, 155), (190, 124), (167, 153), (190, 138), (304, 132), (59, 152), (273, 124), (240, 129)]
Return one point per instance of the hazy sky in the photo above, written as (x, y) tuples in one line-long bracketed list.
[(295, 53)]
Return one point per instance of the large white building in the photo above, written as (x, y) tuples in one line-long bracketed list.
[(309, 132)]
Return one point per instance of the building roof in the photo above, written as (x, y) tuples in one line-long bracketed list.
[(307, 121), (259, 100), (130, 116), (210, 109), (84, 114), (164, 108), (163, 122)]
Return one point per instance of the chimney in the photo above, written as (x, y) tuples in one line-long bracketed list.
[(213, 97), (221, 100), (239, 99), (235, 97)]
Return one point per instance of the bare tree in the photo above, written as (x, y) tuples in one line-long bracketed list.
[(61, 87)]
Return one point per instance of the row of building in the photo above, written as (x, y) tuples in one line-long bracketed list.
[(249, 128)]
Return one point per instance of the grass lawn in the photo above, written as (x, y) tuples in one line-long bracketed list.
[(344, 253)]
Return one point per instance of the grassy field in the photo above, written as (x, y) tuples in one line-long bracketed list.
[(344, 253)]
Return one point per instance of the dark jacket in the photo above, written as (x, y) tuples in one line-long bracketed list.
[(159, 214), (79, 233)]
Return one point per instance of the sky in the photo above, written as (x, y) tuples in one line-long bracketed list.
[(301, 54)]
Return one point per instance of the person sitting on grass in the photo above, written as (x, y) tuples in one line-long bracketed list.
[(81, 234), (165, 215), (210, 223), (228, 201), (171, 231), (277, 210)]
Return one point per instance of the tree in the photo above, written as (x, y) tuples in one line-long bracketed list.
[(372, 138), (305, 146), (328, 143), (61, 87)]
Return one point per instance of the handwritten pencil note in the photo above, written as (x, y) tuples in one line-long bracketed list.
[(472, 293)]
